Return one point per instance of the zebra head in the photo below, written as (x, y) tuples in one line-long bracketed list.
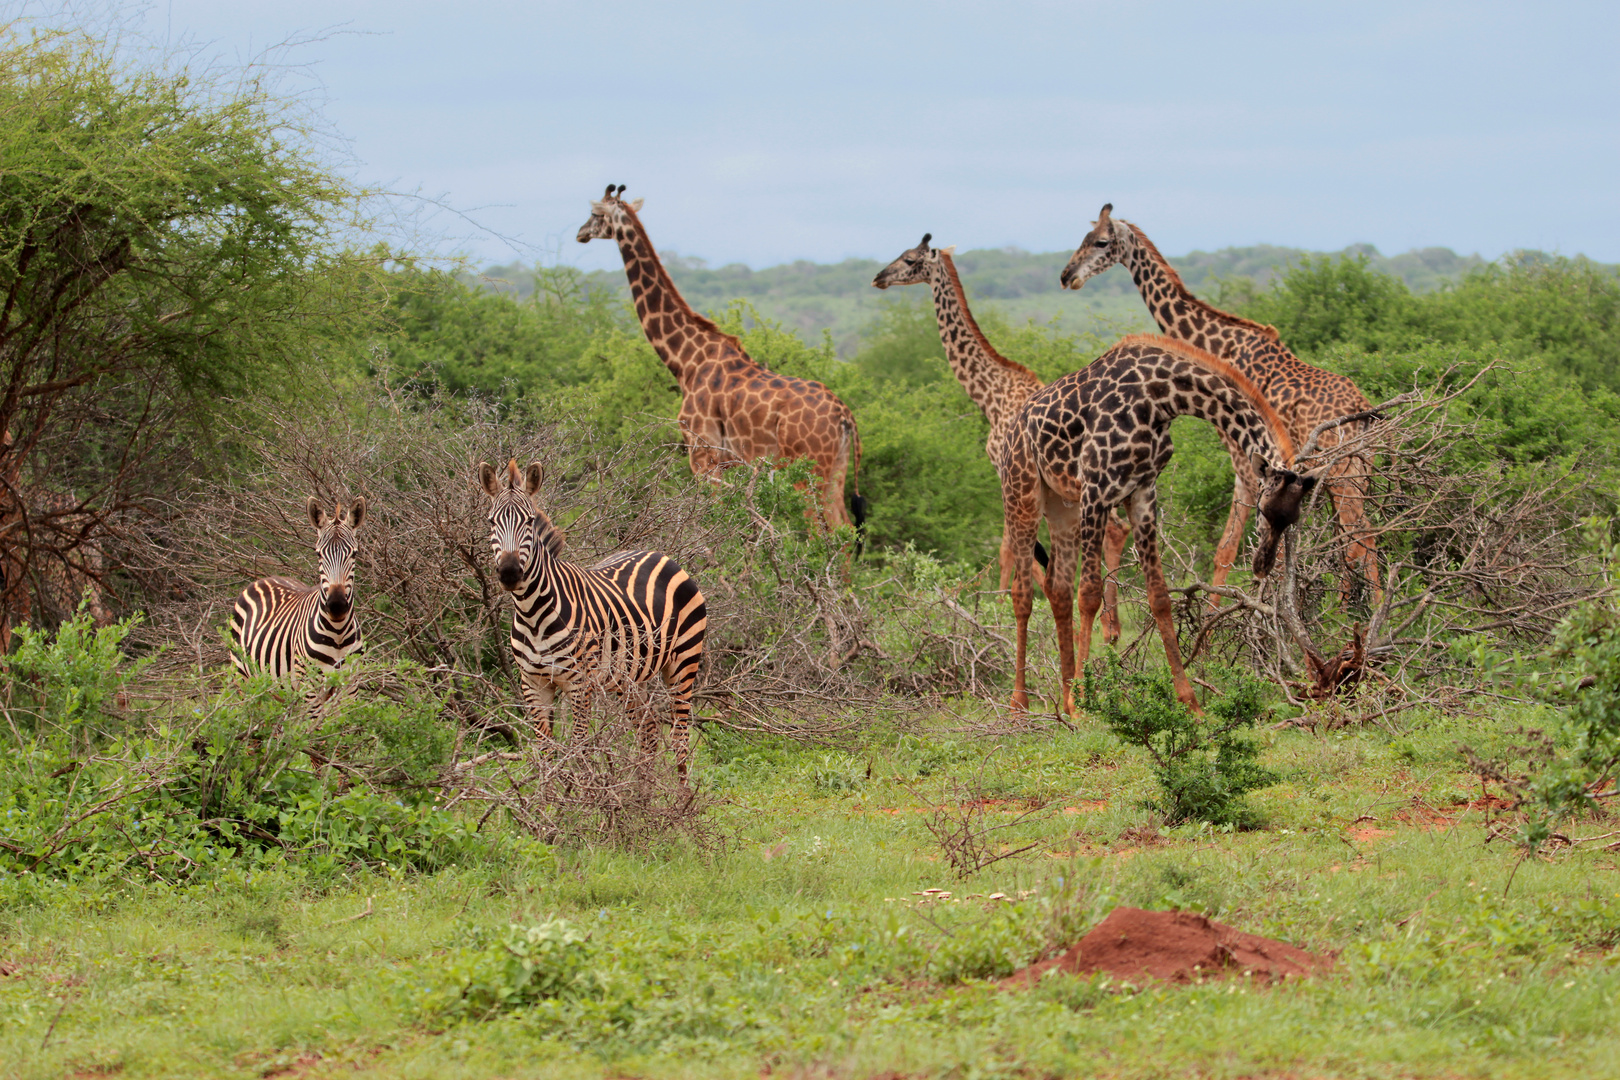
[(335, 545), (516, 524)]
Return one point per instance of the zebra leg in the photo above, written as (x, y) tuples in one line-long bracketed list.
[(681, 683), (579, 709), (539, 702)]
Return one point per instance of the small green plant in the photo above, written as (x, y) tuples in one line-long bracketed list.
[(68, 678), (1204, 765), (517, 968)]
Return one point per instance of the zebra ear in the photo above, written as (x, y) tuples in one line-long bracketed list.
[(486, 477), (532, 477), (357, 513), (317, 513)]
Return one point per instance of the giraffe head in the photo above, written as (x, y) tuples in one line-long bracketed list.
[(610, 217), (1282, 494), (913, 267), (518, 528), (335, 545), (1106, 244)]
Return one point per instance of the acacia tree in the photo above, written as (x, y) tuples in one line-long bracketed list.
[(167, 241)]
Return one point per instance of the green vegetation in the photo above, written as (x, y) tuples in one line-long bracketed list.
[(1204, 766), (808, 940)]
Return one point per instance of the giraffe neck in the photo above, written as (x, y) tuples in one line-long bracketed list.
[(669, 322), (1231, 402), (997, 386), (1178, 312)]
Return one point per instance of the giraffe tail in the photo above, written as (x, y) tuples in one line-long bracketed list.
[(857, 502)]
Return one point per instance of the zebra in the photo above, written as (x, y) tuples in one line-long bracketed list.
[(633, 615), (281, 625)]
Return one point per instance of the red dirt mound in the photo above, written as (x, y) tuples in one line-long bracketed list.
[(1177, 946)]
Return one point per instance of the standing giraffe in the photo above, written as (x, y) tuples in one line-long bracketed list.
[(1099, 437), (1303, 395), (998, 386), (733, 410)]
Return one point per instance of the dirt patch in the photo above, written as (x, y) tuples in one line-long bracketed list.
[(1087, 806), (1367, 834), (1174, 946)]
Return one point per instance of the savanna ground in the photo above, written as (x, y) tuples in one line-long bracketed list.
[(798, 936)]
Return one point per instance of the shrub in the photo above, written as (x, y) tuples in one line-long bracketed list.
[(1204, 765), (520, 967)]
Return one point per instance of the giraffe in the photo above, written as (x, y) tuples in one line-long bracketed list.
[(1305, 396), (733, 410), (997, 385), (1099, 437)]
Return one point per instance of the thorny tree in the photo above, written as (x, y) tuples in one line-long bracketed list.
[(163, 239)]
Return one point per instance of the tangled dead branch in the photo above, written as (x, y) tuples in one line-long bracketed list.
[(1471, 545)]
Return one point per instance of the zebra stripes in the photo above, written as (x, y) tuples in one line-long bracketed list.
[(281, 625), (632, 616)]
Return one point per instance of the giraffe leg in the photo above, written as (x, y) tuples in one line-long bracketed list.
[(1144, 520), (1115, 536), (1347, 485), (1079, 542), (1062, 524), (1226, 552), (1007, 559), (1023, 518)]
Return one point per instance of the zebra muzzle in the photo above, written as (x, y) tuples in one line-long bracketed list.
[(508, 569)]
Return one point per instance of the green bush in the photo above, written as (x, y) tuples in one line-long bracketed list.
[(517, 968), (92, 789), (1204, 765)]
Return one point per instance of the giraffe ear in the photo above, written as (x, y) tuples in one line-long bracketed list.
[(532, 477), (635, 204), (1262, 467), (317, 512), (486, 478), (949, 250)]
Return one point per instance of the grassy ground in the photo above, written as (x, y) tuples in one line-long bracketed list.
[(804, 948)]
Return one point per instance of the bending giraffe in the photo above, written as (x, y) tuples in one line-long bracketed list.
[(1099, 437), (997, 385), (733, 410), (1303, 395)]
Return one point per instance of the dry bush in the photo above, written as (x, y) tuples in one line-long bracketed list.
[(1471, 548), (592, 788), (967, 837), (791, 647)]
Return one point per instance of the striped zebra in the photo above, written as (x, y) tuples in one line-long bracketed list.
[(281, 625), (634, 615)]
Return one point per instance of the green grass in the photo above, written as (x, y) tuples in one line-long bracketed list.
[(800, 948)]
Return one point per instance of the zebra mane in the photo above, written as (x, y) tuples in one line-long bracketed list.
[(548, 534)]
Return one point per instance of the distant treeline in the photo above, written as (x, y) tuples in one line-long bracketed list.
[(838, 297)]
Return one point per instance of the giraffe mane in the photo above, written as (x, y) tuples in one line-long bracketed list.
[(1208, 360), (702, 321), (973, 324), (1223, 316)]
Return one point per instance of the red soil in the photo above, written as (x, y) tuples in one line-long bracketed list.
[(1176, 946)]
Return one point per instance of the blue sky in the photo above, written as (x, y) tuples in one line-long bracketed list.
[(761, 133)]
